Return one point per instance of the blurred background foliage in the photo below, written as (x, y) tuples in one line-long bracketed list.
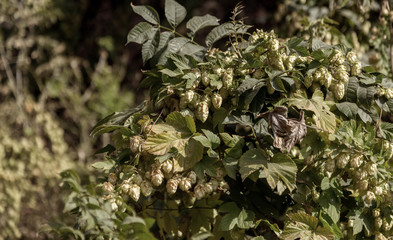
[(64, 66)]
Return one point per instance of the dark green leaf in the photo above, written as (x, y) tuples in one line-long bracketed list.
[(281, 167), (224, 30), (174, 12), (248, 83), (213, 138), (349, 109), (150, 46), (252, 161), (147, 12), (198, 22), (140, 33), (293, 42)]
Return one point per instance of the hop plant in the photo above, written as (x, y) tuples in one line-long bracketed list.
[(356, 68), (202, 111), (302, 124), (185, 184), (108, 187), (339, 91), (167, 166), (199, 191), (216, 100), (342, 160), (389, 93), (157, 177), (136, 144), (146, 188), (134, 192), (189, 95), (351, 58), (171, 185), (308, 80), (337, 57), (228, 78), (205, 79)]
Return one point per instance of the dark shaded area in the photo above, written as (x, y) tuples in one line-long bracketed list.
[(86, 21)]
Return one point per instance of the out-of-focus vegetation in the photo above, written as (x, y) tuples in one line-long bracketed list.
[(50, 98), (64, 66)]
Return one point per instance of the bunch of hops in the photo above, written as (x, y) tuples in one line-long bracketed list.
[(356, 66)]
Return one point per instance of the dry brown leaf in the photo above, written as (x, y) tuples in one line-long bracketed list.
[(287, 132)]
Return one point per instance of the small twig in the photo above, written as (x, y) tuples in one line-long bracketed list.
[(154, 123)]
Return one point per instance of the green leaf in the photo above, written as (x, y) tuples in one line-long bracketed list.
[(213, 138), (203, 140), (140, 33), (198, 22), (245, 220), (349, 109), (304, 226), (218, 32), (357, 224), (283, 168), (205, 166), (364, 115), (386, 130), (318, 44), (133, 220), (191, 154), (181, 62), (180, 122), (224, 30), (215, 81), (318, 55), (160, 144), (147, 12), (103, 165), (248, 83), (293, 42), (174, 12), (325, 119), (201, 235), (165, 37), (274, 227), (328, 223), (330, 203), (235, 216), (175, 44), (252, 161), (150, 46), (219, 116), (193, 50)]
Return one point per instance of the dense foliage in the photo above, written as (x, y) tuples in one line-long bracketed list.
[(268, 138)]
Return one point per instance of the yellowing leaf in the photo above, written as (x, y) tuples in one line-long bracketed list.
[(304, 226), (325, 119), (189, 156), (160, 144)]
